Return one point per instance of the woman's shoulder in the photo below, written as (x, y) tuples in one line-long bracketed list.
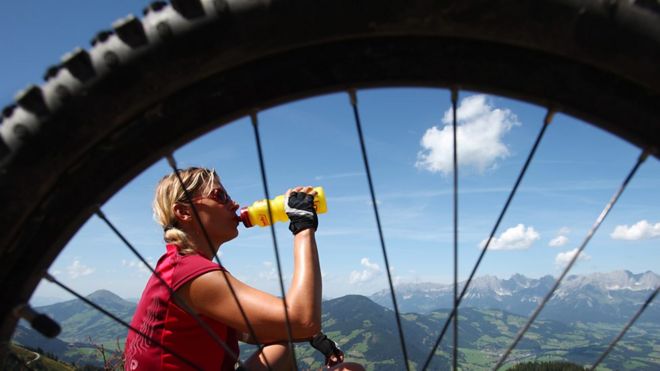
[(185, 267)]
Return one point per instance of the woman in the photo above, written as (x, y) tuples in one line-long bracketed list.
[(195, 226)]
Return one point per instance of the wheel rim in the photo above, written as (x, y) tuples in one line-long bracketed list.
[(389, 61)]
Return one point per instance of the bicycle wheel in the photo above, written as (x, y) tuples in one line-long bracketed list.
[(103, 108)]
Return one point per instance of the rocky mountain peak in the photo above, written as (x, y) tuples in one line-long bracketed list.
[(612, 281), (602, 296)]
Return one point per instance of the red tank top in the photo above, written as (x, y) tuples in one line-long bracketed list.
[(160, 318)]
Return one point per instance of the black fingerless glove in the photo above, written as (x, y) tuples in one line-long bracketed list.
[(299, 207), (333, 355)]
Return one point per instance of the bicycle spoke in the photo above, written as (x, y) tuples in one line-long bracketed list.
[(173, 293), (641, 310), (454, 100), (546, 121), (353, 100), (172, 162), (590, 234), (52, 279), (262, 167)]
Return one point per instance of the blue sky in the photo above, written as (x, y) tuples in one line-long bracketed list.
[(577, 169)]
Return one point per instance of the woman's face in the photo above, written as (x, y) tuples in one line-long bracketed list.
[(217, 213)]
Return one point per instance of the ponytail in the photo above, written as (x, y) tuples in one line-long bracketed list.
[(170, 192)]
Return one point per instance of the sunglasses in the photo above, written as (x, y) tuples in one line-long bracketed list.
[(218, 195)]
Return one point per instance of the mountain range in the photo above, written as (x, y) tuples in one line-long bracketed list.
[(597, 297), (368, 332)]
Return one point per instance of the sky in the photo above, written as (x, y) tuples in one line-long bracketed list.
[(577, 169)]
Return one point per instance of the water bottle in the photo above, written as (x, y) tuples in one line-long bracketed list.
[(257, 214)]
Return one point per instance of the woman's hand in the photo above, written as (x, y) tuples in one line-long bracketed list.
[(299, 207)]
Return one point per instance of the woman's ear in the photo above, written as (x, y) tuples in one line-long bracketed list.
[(182, 212)]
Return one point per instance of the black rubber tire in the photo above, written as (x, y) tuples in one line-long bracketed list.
[(153, 84)]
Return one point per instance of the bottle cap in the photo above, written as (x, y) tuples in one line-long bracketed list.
[(245, 217)]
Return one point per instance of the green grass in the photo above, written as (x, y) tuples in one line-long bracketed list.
[(43, 363), (360, 348), (438, 315), (349, 337), (475, 359), (634, 364)]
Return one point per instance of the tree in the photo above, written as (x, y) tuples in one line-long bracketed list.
[(112, 360)]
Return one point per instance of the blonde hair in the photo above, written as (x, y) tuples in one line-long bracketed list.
[(170, 192)]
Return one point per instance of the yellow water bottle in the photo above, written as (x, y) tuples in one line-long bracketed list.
[(257, 214)]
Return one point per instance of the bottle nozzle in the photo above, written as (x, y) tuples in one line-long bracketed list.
[(245, 217)]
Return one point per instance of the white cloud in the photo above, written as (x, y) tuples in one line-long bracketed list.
[(77, 269), (396, 279), (480, 130), (268, 273), (138, 265), (514, 238), (370, 271), (564, 231), (369, 265), (558, 241), (563, 258), (642, 230), (371, 204)]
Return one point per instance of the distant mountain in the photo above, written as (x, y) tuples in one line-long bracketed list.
[(598, 297), (368, 332), (371, 333), (80, 322), (40, 301)]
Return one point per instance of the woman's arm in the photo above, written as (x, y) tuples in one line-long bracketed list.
[(210, 294)]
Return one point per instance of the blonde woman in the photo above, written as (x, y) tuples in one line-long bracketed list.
[(193, 236)]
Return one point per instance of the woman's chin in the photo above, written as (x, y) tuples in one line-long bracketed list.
[(231, 236)]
